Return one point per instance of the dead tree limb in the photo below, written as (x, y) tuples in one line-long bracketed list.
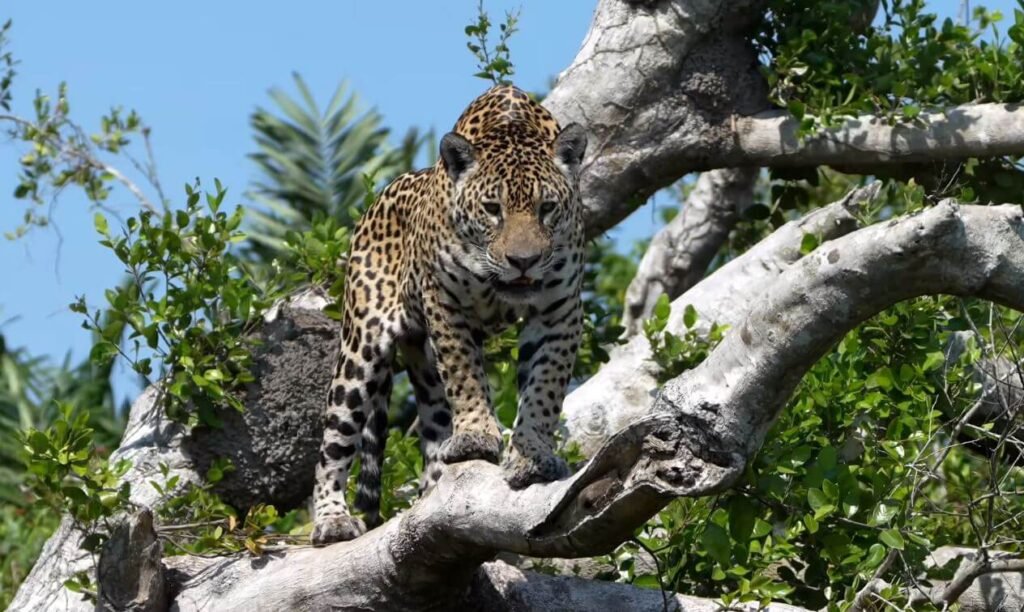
[(680, 252), (626, 386)]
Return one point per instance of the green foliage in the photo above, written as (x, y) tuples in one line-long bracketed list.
[(673, 354), (23, 531), (400, 474), (189, 304), (908, 63), (493, 64), (60, 155), (606, 276), (67, 472), (858, 464), (313, 164), (31, 394), (196, 521)]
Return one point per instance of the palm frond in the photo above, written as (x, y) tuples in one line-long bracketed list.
[(311, 162)]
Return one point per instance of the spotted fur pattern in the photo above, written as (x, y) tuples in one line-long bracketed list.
[(447, 256)]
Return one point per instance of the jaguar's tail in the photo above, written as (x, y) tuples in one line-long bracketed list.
[(368, 484)]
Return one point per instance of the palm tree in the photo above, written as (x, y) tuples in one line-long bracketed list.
[(313, 162)]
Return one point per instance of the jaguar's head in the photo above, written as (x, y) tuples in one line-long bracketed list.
[(515, 202)]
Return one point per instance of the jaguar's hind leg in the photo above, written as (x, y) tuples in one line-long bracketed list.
[(435, 416)]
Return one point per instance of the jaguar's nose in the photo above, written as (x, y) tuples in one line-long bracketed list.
[(523, 262)]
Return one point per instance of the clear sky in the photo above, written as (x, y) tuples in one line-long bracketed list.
[(195, 70)]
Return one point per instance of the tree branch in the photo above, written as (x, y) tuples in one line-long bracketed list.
[(984, 580), (669, 87), (971, 571), (680, 253), (626, 386), (656, 85), (970, 130)]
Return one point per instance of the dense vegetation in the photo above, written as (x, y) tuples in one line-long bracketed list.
[(870, 467)]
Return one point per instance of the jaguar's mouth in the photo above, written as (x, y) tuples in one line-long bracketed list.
[(519, 286)]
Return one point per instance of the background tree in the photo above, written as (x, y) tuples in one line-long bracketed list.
[(313, 163)]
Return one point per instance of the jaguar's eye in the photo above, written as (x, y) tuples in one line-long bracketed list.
[(546, 208), (493, 208)]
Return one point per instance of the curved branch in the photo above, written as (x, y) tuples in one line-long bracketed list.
[(625, 387), (735, 395), (656, 85), (984, 580)]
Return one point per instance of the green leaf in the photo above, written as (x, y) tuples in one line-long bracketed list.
[(892, 538), (884, 512), (741, 518), (662, 307), (875, 556), (38, 442), (716, 543), (102, 352), (689, 316), (808, 243), (797, 109), (100, 223), (816, 498), (933, 360), (647, 581), (761, 528), (811, 523), (881, 377)]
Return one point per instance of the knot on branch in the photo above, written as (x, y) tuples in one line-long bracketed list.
[(130, 574)]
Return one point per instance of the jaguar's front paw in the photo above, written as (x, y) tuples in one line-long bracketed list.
[(522, 471), (469, 445), (336, 528)]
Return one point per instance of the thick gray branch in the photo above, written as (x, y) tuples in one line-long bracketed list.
[(669, 87), (971, 130), (656, 85), (625, 388), (680, 253), (984, 580), (730, 400)]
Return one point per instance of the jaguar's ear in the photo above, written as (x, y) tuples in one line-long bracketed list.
[(570, 146), (458, 155)]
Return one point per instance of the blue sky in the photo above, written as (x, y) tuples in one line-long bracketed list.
[(196, 70)]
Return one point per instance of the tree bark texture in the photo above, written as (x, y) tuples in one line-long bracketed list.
[(625, 387), (669, 87)]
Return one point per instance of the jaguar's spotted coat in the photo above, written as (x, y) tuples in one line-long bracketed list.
[(446, 257)]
